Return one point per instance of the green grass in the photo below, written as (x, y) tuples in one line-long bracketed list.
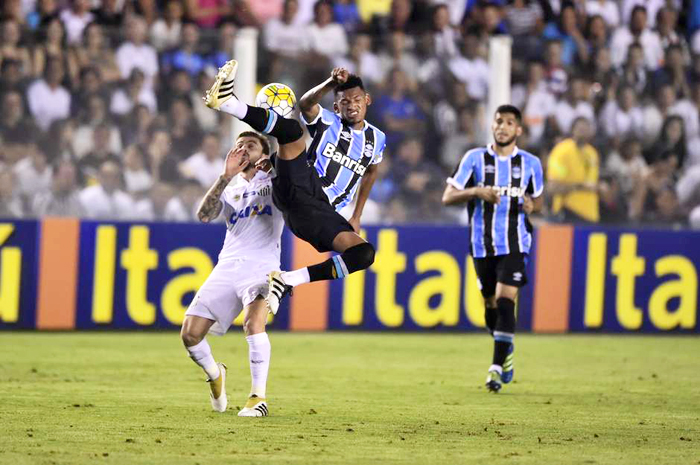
[(136, 398)]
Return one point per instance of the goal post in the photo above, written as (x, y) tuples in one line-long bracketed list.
[(245, 51), (500, 69)]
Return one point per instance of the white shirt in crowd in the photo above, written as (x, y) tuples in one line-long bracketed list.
[(290, 40), (137, 181), (121, 104), (143, 57), (617, 122), (474, 74), (46, 104), (608, 10), (31, 182), (176, 211), (75, 25), (199, 167), (83, 142), (627, 172), (537, 107), (329, 40), (567, 113), (445, 42), (101, 205), (164, 37), (369, 67), (651, 44)]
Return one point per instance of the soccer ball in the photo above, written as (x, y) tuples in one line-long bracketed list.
[(277, 97)]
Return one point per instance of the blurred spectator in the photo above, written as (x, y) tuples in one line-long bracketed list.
[(596, 34), (666, 25), (471, 68), (48, 99), (537, 103), (224, 49), (53, 45), (627, 166), (153, 207), (444, 35), (45, 9), (362, 61), (187, 56), (574, 105), (572, 176), (264, 10), (385, 187), (100, 152), (567, 32), (397, 54), (622, 118), (58, 142), (397, 113), (10, 202), (183, 206), (184, 130), (165, 31), (91, 85), (110, 14), (284, 36), (75, 19), (32, 174), (96, 52), (135, 53), (95, 115), (445, 111), (347, 15), (634, 72), (688, 193), (178, 84), (63, 198), (555, 74), (327, 38), (206, 165), (137, 179), (208, 120), (11, 76), (161, 160), (15, 126), (105, 200), (670, 144), (135, 92), (136, 128), (637, 31), (608, 10), (466, 137), (652, 8), (11, 48), (208, 13), (673, 73), (666, 105), (524, 18)]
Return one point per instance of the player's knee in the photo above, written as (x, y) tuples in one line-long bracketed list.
[(251, 326), (287, 131), (359, 257), (189, 338)]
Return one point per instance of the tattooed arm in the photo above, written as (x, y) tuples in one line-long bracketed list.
[(211, 205)]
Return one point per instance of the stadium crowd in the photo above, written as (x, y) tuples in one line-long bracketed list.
[(102, 114)]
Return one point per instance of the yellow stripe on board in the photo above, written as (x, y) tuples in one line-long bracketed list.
[(595, 280), (105, 262)]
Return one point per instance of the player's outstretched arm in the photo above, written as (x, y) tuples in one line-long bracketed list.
[(211, 205), (309, 103)]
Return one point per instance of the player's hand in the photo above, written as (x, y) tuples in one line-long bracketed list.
[(340, 75), (264, 164), (355, 223), (236, 161), (488, 195), (528, 204)]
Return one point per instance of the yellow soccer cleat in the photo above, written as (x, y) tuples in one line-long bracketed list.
[(219, 402), (222, 89), (255, 407)]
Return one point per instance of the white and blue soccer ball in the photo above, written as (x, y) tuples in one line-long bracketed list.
[(277, 97)]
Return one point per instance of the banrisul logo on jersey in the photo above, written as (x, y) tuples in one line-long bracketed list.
[(510, 191), (353, 165), (248, 212)]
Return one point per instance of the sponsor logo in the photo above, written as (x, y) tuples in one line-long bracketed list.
[(345, 135), (250, 211), (489, 169), (510, 191), (518, 276), (330, 151)]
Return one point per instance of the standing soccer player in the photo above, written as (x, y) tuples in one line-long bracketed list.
[(309, 190), (501, 185), (238, 282)]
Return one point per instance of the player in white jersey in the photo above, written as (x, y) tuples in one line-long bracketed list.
[(243, 193)]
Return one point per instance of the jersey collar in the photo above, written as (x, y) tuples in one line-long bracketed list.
[(492, 152)]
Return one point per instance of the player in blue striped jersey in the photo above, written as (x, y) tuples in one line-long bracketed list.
[(501, 185), (309, 186)]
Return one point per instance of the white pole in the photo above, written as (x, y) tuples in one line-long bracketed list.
[(245, 51), (499, 87)]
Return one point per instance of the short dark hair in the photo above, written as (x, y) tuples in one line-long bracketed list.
[(263, 140), (353, 81), (513, 110)]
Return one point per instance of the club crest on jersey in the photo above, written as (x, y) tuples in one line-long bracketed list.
[(516, 172), (248, 212), (329, 151)]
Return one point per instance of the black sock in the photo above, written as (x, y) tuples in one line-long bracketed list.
[(491, 318), (358, 257), (504, 330), (269, 122)]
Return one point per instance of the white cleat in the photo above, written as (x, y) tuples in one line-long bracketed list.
[(217, 393), (255, 407), (222, 89), (277, 290)]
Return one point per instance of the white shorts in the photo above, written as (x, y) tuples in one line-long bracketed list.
[(230, 287)]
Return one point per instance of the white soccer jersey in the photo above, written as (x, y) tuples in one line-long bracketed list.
[(254, 225)]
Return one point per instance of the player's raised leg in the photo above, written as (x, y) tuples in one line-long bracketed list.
[(259, 358), (194, 330)]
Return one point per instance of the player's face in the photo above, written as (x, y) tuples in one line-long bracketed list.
[(253, 148), (505, 129), (352, 104)]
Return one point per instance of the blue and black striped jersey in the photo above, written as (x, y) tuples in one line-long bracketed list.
[(341, 154), (503, 228)]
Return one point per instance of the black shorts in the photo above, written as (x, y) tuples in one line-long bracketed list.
[(298, 193), (506, 269)]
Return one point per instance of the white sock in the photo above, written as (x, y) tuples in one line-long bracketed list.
[(201, 354), (497, 368), (259, 358), (296, 277), (234, 107)]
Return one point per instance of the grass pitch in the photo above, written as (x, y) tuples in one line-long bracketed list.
[(136, 398)]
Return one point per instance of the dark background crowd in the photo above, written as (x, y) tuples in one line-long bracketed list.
[(102, 114)]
